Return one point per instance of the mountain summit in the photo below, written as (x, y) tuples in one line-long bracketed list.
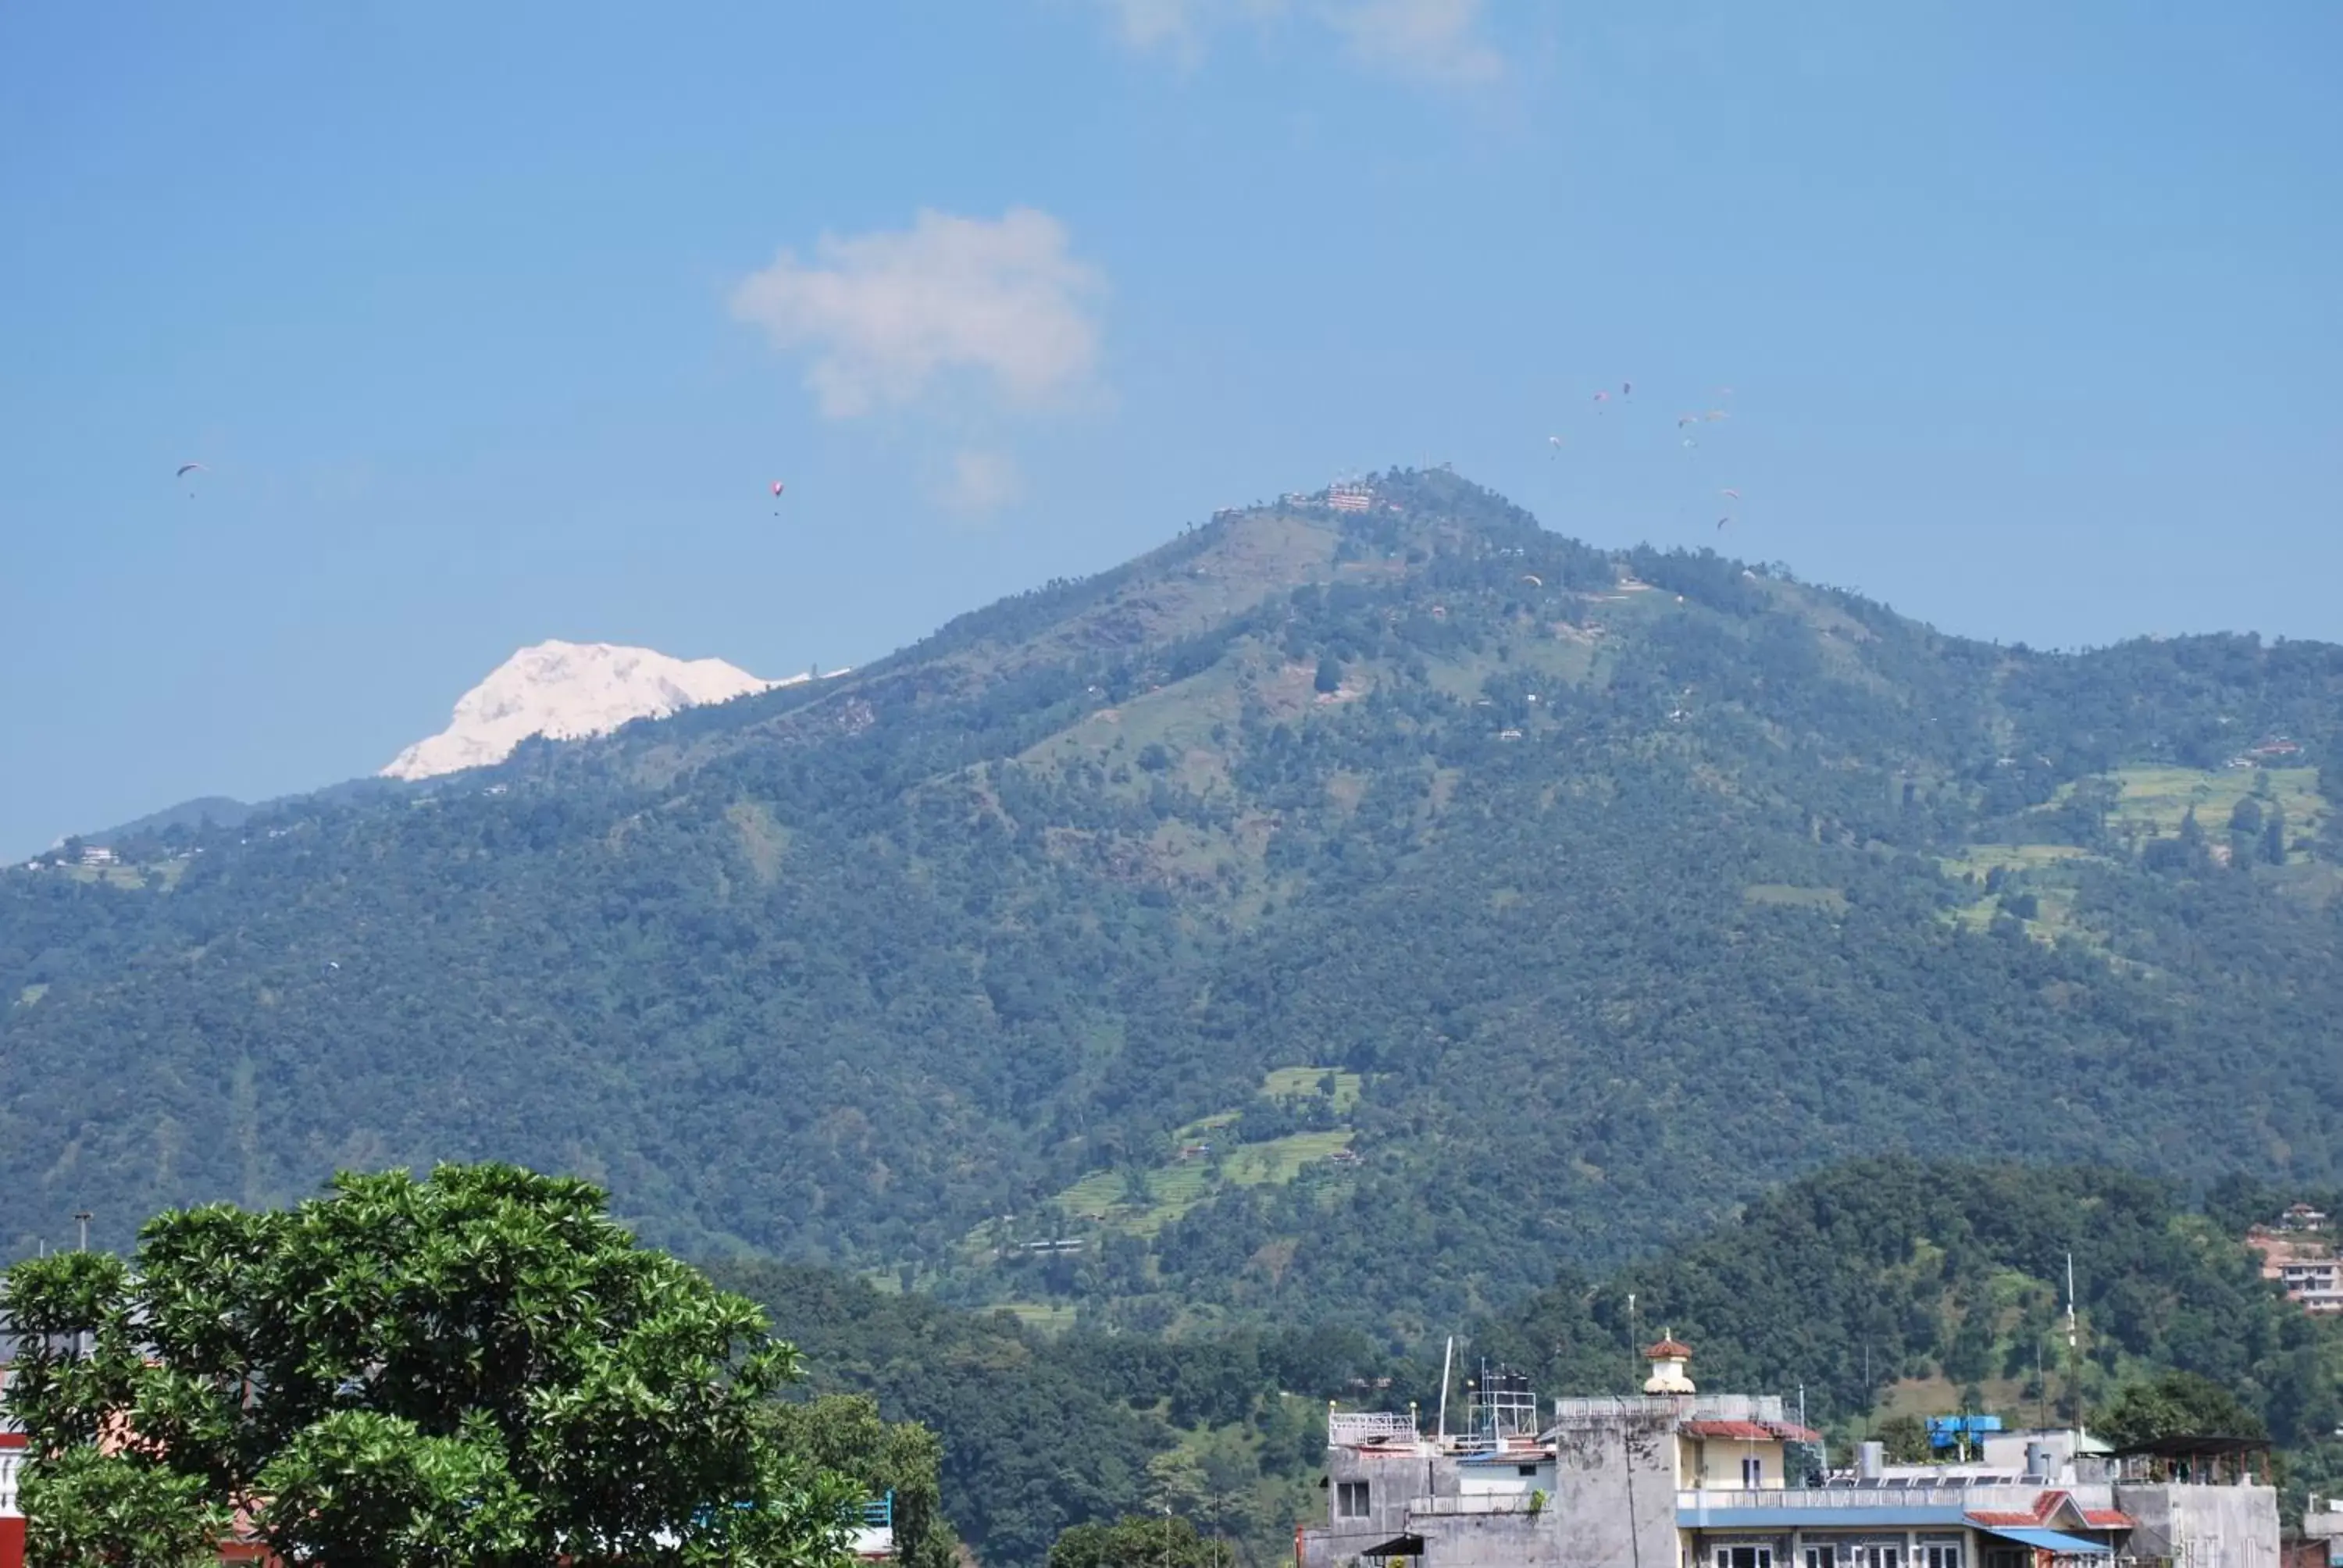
[(1356, 908), (568, 690)]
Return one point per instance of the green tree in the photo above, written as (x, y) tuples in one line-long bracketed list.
[(479, 1368), (843, 1434), (1166, 1541), (2176, 1404), (1907, 1437), (1330, 674)]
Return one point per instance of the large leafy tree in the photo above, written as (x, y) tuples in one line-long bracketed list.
[(1134, 1541), (477, 1368), (2176, 1404)]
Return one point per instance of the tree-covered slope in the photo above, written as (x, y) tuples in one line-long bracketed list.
[(1886, 1289), (1346, 916)]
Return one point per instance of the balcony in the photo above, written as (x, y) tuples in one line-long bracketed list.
[(1476, 1502)]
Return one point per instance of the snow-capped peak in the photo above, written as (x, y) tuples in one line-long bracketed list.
[(568, 690)]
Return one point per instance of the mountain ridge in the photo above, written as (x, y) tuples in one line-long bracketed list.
[(1634, 880)]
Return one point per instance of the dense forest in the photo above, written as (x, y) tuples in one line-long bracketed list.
[(1327, 920), (1879, 1292)]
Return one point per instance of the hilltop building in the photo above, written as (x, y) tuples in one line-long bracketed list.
[(2299, 1254), (1680, 1479)]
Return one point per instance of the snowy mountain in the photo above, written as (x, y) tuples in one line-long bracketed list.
[(568, 690)]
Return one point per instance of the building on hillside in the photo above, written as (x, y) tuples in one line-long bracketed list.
[(2298, 1254), (1680, 1479), (1349, 498)]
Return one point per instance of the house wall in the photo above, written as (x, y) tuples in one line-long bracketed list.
[(1614, 1495), (1705, 1462), (2203, 1526), (1394, 1477), (1493, 1541)]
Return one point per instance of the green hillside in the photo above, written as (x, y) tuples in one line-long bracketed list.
[(1611, 889), (1941, 1281)]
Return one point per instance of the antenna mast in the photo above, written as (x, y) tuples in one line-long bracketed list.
[(1446, 1358), (2074, 1355)]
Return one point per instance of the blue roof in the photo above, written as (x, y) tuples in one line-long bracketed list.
[(1842, 1516), (2054, 1540)]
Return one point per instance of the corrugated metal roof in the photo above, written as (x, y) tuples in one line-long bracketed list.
[(2052, 1540)]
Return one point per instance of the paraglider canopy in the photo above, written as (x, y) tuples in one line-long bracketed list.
[(187, 469), (777, 487)]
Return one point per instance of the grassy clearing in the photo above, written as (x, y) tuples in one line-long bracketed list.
[(1978, 859), (1831, 900), (2159, 799), (1293, 1082), (130, 878), (1041, 1315), (32, 993)]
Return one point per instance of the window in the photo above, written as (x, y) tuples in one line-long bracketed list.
[(1753, 1472), (1879, 1557), (1939, 1556), (1351, 1500), (1744, 1557), (1822, 1557), (1526, 1470)]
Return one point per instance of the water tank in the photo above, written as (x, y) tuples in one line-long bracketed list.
[(1870, 1461), (2037, 1459)]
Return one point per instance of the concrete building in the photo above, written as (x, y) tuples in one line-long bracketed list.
[(1680, 1479), (2299, 1254)]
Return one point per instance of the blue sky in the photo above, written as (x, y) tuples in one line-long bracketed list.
[(492, 323)]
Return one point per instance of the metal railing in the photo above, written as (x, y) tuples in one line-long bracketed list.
[(1345, 1428), (1683, 1406), (2011, 1499), (1478, 1503)]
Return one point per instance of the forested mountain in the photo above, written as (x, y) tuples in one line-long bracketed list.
[(1883, 1291), (1343, 915)]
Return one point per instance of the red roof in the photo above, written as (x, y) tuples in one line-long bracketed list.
[(1669, 1350), (2046, 1505), (1750, 1431)]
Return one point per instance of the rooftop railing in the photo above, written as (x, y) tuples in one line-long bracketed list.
[(1347, 1428)]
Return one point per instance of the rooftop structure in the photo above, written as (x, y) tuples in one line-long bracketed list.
[(1682, 1479)]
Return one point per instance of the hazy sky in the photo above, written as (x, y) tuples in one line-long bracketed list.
[(493, 323)]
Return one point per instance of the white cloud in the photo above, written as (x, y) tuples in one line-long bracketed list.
[(981, 482), (885, 313), (1158, 24), (1438, 40)]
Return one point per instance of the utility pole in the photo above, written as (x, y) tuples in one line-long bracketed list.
[(2074, 1354), (83, 1220)]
